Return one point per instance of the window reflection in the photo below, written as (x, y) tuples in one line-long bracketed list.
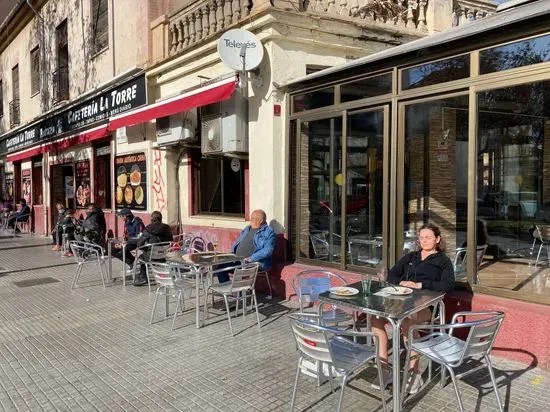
[(364, 185), (518, 54), (513, 195), (436, 171), (321, 189), (313, 100), (372, 86), (437, 72)]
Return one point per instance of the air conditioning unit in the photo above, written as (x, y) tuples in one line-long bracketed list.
[(177, 128), (224, 126), (129, 133)]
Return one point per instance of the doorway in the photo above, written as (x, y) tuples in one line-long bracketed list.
[(62, 188)]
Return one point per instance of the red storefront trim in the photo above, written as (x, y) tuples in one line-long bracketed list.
[(202, 96)]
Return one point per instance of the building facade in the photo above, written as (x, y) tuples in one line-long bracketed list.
[(65, 69), (451, 129)]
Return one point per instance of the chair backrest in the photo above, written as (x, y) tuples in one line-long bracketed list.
[(483, 331), (85, 252), (163, 274), (319, 243), (311, 340), (198, 243), (460, 260), (245, 276), (543, 232), (158, 250), (308, 284)]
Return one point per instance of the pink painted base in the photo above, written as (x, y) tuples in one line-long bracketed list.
[(525, 332)]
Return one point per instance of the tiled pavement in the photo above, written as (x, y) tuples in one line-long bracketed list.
[(92, 349)]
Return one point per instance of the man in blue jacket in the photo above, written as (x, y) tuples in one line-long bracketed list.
[(133, 227), (255, 243)]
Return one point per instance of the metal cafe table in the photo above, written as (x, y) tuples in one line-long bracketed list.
[(205, 265), (395, 309)]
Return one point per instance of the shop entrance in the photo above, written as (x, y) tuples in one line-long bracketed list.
[(62, 187)]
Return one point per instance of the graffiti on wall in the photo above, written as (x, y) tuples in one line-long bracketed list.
[(158, 182)]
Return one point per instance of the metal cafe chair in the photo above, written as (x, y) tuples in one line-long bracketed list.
[(242, 282), (451, 352), (542, 234), (168, 284), (198, 243), (149, 253), (459, 263), (307, 286), (344, 357), (88, 254), (22, 223)]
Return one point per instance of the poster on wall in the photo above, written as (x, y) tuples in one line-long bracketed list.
[(131, 178), (26, 185), (69, 187), (8, 194), (82, 177)]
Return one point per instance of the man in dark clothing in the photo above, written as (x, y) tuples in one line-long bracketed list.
[(21, 216), (156, 232), (57, 233), (95, 225), (133, 228)]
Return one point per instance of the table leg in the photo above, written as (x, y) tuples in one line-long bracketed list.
[(109, 258), (442, 322), (197, 299), (396, 325), (123, 264)]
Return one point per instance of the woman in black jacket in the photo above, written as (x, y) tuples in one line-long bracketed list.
[(428, 268)]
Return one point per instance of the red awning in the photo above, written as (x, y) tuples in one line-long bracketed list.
[(25, 154), (61, 144), (212, 93)]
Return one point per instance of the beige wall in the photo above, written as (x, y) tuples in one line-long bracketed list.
[(87, 71)]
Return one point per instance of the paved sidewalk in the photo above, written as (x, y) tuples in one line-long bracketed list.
[(92, 349)]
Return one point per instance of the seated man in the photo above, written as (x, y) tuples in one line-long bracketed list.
[(67, 226), (133, 227), (21, 216), (156, 232), (95, 225), (57, 232), (255, 243)]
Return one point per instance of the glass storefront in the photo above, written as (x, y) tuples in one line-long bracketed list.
[(472, 157), (436, 166), (513, 195)]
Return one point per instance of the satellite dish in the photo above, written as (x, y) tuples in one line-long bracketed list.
[(238, 44)]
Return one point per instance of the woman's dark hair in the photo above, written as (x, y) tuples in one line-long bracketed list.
[(156, 217), (440, 246)]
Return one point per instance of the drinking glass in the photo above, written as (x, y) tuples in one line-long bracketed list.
[(215, 243), (366, 284)]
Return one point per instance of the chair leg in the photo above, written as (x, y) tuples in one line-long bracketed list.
[(268, 286), (76, 276), (101, 272), (147, 275), (176, 311), (154, 305), (494, 381), (405, 375), (457, 393), (256, 306), (228, 314), (381, 383), (538, 254), (298, 371), (344, 381)]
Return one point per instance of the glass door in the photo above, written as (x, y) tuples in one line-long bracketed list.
[(366, 137), (342, 186)]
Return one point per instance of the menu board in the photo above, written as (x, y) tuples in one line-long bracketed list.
[(131, 178), (26, 185), (82, 178), (8, 194)]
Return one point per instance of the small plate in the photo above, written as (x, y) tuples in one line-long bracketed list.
[(399, 290), (343, 291)]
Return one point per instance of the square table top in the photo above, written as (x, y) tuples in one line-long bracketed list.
[(395, 307)]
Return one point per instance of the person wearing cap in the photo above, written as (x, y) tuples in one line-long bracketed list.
[(133, 227)]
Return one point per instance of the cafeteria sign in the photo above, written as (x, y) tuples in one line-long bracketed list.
[(131, 178), (90, 113)]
